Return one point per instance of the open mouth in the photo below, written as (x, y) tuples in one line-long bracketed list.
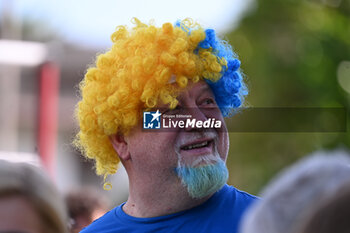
[(197, 145)]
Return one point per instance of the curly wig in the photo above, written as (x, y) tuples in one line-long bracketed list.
[(135, 75)]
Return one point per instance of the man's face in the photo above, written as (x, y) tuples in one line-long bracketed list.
[(161, 153)]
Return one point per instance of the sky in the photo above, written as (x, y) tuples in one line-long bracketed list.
[(91, 22)]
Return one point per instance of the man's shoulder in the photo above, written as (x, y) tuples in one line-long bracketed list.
[(233, 196), (246, 196), (229, 190)]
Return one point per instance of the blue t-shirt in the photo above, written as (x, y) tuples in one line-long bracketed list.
[(221, 213)]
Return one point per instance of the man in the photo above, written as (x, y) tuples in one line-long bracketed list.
[(177, 173)]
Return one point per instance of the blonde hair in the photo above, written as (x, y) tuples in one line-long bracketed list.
[(135, 75)]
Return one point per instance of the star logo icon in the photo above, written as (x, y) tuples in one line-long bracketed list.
[(155, 115)]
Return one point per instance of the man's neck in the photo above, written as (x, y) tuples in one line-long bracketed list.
[(159, 201)]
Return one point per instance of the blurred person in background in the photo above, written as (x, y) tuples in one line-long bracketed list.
[(177, 177), (85, 205), (293, 195), (29, 202), (330, 216)]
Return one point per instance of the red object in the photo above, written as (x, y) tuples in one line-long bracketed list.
[(48, 115)]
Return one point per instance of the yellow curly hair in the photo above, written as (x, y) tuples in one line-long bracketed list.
[(135, 75)]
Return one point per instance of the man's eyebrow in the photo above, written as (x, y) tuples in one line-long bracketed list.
[(204, 89)]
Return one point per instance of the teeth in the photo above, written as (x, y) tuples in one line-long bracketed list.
[(196, 145)]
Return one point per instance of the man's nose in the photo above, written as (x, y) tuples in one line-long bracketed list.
[(196, 115)]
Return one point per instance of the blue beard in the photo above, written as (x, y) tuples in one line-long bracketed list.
[(203, 180)]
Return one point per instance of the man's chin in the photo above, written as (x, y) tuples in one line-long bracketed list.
[(204, 178)]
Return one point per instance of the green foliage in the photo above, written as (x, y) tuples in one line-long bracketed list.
[(290, 52)]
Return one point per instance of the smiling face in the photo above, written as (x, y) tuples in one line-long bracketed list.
[(156, 154)]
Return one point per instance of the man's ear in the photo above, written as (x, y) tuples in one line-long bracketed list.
[(120, 146)]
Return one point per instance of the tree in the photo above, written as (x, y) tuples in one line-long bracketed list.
[(291, 51)]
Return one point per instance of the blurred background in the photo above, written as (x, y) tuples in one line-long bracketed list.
[(295, 53)]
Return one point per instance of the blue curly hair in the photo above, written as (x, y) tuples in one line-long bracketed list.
[(230, 89)]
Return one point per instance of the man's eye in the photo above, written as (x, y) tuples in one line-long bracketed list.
[(208, 101)]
